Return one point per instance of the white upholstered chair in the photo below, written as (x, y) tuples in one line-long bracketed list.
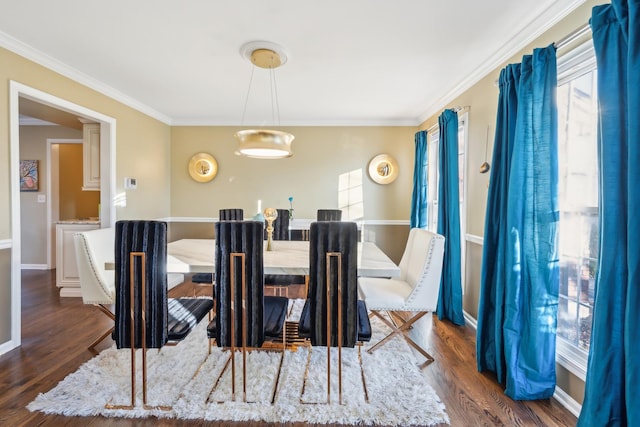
[(415, 291), (97, 285), (94, 248)]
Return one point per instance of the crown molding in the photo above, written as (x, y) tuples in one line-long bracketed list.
[(413, 122), (16, 46), (534, 29)]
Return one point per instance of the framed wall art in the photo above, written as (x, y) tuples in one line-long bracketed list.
[(28, 175)]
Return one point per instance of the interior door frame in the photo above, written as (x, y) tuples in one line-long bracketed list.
[(51, 196), (107, 181)]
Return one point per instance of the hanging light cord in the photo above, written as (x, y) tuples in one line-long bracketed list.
[(273, 87), (246, 99), (275, 106)]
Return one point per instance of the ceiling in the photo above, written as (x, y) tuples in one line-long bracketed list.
[(356, 62)]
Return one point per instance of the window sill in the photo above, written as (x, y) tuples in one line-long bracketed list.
[(572, 358)]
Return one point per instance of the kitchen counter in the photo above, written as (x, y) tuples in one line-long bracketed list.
[(67, 276), (91, 220)]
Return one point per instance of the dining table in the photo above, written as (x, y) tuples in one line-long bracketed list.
[(288, 257)]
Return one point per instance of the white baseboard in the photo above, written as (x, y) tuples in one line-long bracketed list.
[(70, 292), (34, 267), (471, 321), (567, 401), (7, 346)]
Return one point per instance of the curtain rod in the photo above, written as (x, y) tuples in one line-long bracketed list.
[(457, 109), (432, 127), (566, 40), (579, 32)]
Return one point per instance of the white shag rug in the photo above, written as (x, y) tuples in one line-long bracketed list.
[(398, 391)]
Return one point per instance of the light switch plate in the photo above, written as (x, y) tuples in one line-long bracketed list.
[(130, 183), (42, 198)]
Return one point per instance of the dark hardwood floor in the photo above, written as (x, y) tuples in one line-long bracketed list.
[(56, 332)]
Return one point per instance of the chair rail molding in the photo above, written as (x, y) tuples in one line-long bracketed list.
[(5, 244), (296, 220), (478, 240), (34, 267)]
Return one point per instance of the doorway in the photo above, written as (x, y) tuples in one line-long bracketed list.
[(18, 91), (53, 195)]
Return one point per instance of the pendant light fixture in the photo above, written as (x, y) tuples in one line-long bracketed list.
[(264, 143)]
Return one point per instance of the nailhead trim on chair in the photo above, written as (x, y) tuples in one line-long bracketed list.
[(85, 244), (427, 265), (412, 296)]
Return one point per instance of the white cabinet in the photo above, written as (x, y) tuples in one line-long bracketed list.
[(91, 156), (67, 277)]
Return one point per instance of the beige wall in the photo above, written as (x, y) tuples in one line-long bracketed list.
[(74, 202), (321, 154), (33, 215), (142, 143), (483, 99), (142, 151)]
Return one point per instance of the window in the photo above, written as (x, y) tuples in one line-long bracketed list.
[(578, 229), (433, 179), (350, 195), (433, 182)]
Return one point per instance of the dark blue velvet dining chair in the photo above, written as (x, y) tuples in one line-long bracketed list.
[(245, 318), (144, 316), (231, 214), (329, 215), (333, 316), (227, 214), (280, 282)]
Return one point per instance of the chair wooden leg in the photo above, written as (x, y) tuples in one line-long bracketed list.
[(244, 349), (143, 340), (364, 382), (402, 330), (284, 349), (329, 336), (92, 347), (111, 316)]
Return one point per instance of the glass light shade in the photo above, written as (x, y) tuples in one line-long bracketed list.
[(264, 144)]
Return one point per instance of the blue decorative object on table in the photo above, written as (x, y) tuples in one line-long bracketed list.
[(290, 207)]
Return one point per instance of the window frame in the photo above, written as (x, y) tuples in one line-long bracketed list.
[(571, 65)]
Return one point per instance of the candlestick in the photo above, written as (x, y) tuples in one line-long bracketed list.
[(270, 214)]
